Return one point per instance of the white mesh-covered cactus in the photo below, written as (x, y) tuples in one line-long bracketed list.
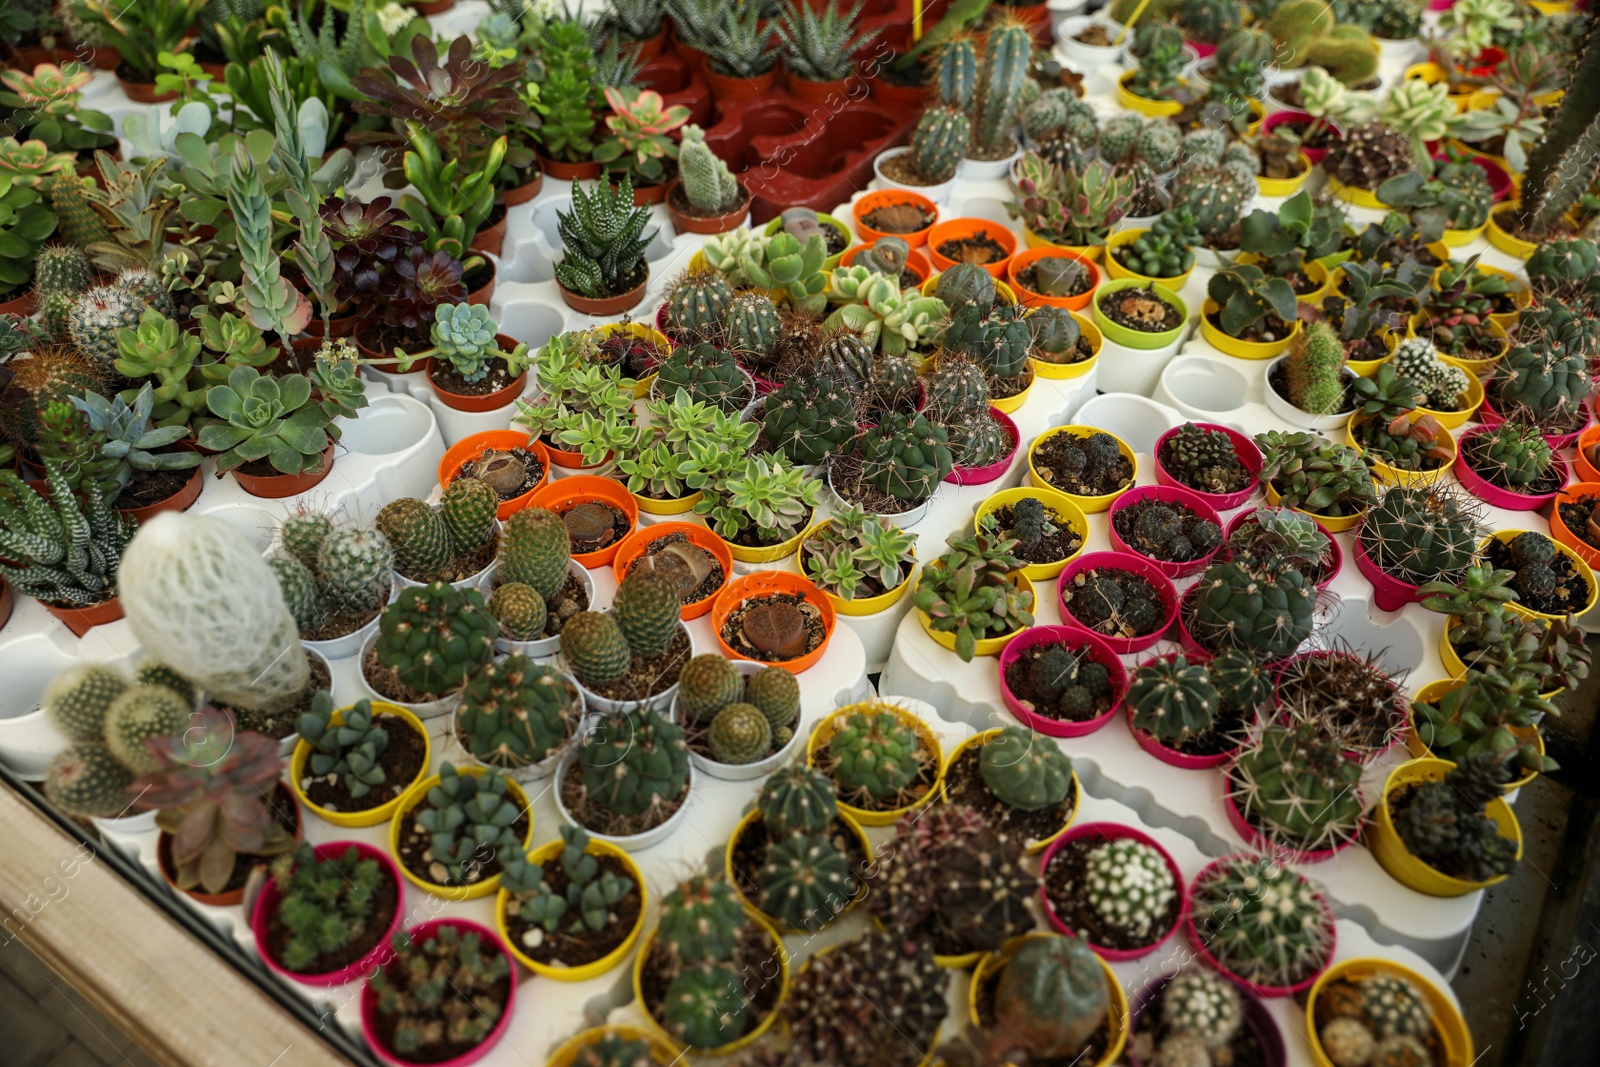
[(200, 598), (1129, 885)]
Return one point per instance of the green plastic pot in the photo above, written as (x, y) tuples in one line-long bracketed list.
[(1133, 338), (827, 220)]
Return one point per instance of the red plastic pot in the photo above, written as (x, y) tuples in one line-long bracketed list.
[(1120, 561), (482, 293), (1243, 447), (268, 901), (651, 47), (18, 305), (279, 486), (432, 7), (1388, 592), (1110, 831), (1488, 416), (1499, 180), (1259, 841), (689, 53), (339, 325), (1166, 494), (1490, 493), (826, 93), (1191, 930), (991, 471), (488, 401), (182, 500), (1171, 756), (1333, 543), (738, 87), (420, 933), (1257, 1018), (144, 92), (680, 85), (1100, 650), (81, 620), (899, 96)]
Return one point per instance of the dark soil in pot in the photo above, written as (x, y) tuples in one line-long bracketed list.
[(1358, 700), (1066, 883), (383, 1028), (1577, 515), (385, 899), (774, 629), (1093, 1051), (899, 169), (263, 468), (594, 524), (754, 960), (281, 808), (414, 853), (1300, 282), (388, 685), (1087, 695), (636, 356), (1028, 278), (1474, 451), (1268, 329), (1058, 544), (1473, 343), (493, 465), (280, 723), (600, 820), (402, 759), (151, 487), (899, 218), (1279, 380), (1224, 735), (1230, 476), (713, 577), (563, 946), (849, 484), (833, 240), (1002, 387), (1094, 35), (463, 565), (648, 675), (1570, 592), (1116, 604), (917, 76), (446, 377), (1242, 1050), (978, 249), (1140, 309), (1193, 531), (384, 339), (1341, 992), (963, 784), (750, 853), (1056, 460)]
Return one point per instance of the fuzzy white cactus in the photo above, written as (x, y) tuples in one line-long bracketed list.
[(1129, 885), (200, 598)]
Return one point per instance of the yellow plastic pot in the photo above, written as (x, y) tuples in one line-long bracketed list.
[(1458, 238), (1432, 693), (1457, 666), (1156, 109), (930, 740), (992, 963), (641, 388), (1116, 270), (550, 852), (865, 605), (742, 1042), (566, 1054), (986, 646), (727, 868), (1060, 507), (1578, 565), (1354, 194), (1089, 505), (1065, 371), (681, 506), (1552, 7), (1232, 346), (1476, 368), (769, 553), (1006, 294), (1389, 849), (1033, 240), (1330, 523), (1384, 474), (1285, 186), (1433, 73), (1366, 368), (1502, 239), (827, 220), (371, 816), (1452, 420), (1008, 405), (982, 738), (414, 796), (1447, 1021)]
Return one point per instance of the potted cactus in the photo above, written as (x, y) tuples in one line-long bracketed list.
[(427, 640), (1201, 1014), (1090, 466), (1193, 712), (1270, 532), (614, 1044), (636, 809), (1113, 887), (1060, 681), (1293, 787), (1044, 997), (1541, 386), (452, 832), (928, 166), (882, 968), (740, 717), (883, 760), (1350, 694), (1372, 153), (974, 598), (1047, 527), (1383, 1008), (1022, 786), (518, 715), (1413, 536), (1445, 829), (535, 585), (1406, 446), (1260, 605), (632, 655), (1219, 465), (1550, 582), (1261, 923), (351, 766), (326, 913), (705, 197), (573, 909), (1309, 385), (335, 579), (1511, 466), (447, 993), (898, 464), (1168, 525), (797, 858)]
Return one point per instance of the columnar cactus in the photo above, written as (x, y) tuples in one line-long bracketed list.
[(877, 755), (957, 68), (80, 226), (634, 764), (418, 536), (77, 699), (140, 713), (1026, 770), (1129, 885), (707, 182), (1001, 74), (707, 684), (300, 593), (938, 143), (468, 510), (534, 550), (1172, 699), (906, 456), (515, 712), (595, 649), (432, 635)]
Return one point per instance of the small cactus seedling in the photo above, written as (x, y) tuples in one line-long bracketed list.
[(1026, 770), (325, 904)]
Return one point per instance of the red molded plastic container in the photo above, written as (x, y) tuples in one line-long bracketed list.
[(1243, 447), (268, 900)]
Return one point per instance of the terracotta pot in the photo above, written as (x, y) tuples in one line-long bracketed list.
[(482, 293), (689, 53), (588, 170), (81, 620), (432, 7), (339, 325), (730, 220), (144, 92), (651, 47), (738, 88), (8, 601), (605, 306), (278, 486), (18, 305), (218, 71), (645, 195), (106, 58), (486, 401), (490, 240), (283, 796), (179, 501), (899, 96), (521, 194), (381, 360)]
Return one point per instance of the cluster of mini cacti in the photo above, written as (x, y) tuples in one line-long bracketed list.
[(1127, 139), (969, 592), (427, 542), (433, 635), (805, 879), (1440, 385), (1059, 122), (331, 572), (515, 712), (1443, 822), (324, 904), (1307, 34), (1071, 682), (1380, 1019), (590, 899), (1262, 920), (642, 624), (1117, 608), (702, 923), (440, 989), (531, 569), (744, 718), (635, 765), (1169, 532)]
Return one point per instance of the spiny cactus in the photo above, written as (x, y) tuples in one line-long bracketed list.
[(1313, 370), (701, 920), (878, 968), (353, 569), (805, 880), (1001, 72), (96, 317), (1173, 699), (595, 648), (468, 510), (705, 1007), (86, 780), (419, 538), (140, 713), (1248, 608), (1561, 166), (535, 550), (77, 699), (707, 684), (697, 305), (1026, 770), (876, 756), (1263, 921), (432, 635), (1296, 786), (707, 182), (1201, 1002), (1051, 999), (1129, 886), (797, 799), (634, 764), (739, 733), (646, 611), (906, 456), (938, 144), (515, 712), (1421, 534), (519, 610), (752, 324)]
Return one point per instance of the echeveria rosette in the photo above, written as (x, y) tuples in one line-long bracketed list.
[(465, 336), (639, 129), (47, 104), (422, 281), (265, 418), (369, 241)]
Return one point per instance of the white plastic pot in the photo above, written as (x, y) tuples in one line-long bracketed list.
[(539, 771), (978, 170), (939, 194), (1084, 58), (741, 772), (544, 646), (628, 842), (469, 582), (1294, 416), (904, 519), (656, 702), (348, 645)]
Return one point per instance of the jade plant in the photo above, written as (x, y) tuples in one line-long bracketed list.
[(441, 991), (855, 548), (968, 592), (324, 904), (587, 904)]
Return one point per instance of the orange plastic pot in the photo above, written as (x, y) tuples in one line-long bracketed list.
[(634, 545), (486, 401), (280, 486), (916, 262), (567, 493), (1021, 260), (1586, 489), (470, 448), (772, 583), (956, 229), (1582, 469), (884, 198)]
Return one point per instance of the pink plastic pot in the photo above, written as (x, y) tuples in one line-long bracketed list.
[(991, 471), (1120, 561), (422, 932), (1488, 416), (1243, 447), (1171, 756), (1111, 831), (1499, 180), (1257, 1018), (1201, 49), (1301, 120), (1333, 543), (1259, 841), (1099, 649), (1490, 493), (268, 901), (1166, 494), (1388, 592), (1192, 931)]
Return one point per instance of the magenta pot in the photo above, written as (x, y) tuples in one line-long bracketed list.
[(1256, 1017), (1099, 649), (1111, 831), (1488, 416), (1171, 756), (421, 932), (1166, 494), (991, 471), (1388, 592), (1122, 561), (268, 901), (1302, 120), (1333, 544), (1259, 841), (1499, 180), (1490, 493), (1243, 447), (1192, 931)]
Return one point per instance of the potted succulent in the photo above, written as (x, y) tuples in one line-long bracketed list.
[(1021, 787), (36, 536), (1052, 277), (1510, 466), (1083, 1016), (773, 617), (1551, 582), (884, 761), (1192, 711), (1125, 600), (891, 970), (1090, 466), (1276, 621), (705, 197), (761, 505), (894, 213), (1248, 313), (1170, 526), (270, 432), (1541, 386), (535, 585), (583, 403), (468, 365), (454, 542), (1061, 681), (974, 598), (1390, 1007), (603, 269), (1369, 715), (639, 146), (1047, 527), (623, 1044), (740, 716), (452, 833), (1328, 481), (1372, 153), (598, 513), (1219, 465), (741, 63), (129, 451), (1146, 318), (518, 715), (899, 463), (1071, 206), (1273, 532), (819, 44), (1309, 385), (1488, 712), (1161, 254), (48, 103), (1446, 392), (862, 563), (686, 441), (1198, 1008), (566, 103), (1412, 536), (1114, 887), (1156, 87), (633, 654), (1445, 829), (408, 1019), (1486, 634), (352, 765), (1233, 900), (1457, 187), (697, 560), (426, 641), (326, 913), (636, 809), (1406, 447), (573, 909)]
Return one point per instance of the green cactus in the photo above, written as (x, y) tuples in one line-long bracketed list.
[(1172, 699), (1421, 534), (998, 100), (1296, 786), (1542, 386), (1051, 998), (938, 144), (98, 316), (80, 225), (154, 672), (468, 819), (300, 593), (876, 756), (999, 340), (1395, 1007), (433, 634), (707, 182), (634, 764), (739, 733), (805, 881), (534, 551), (705, 1006), (965, 283), (1240, 681), (1263, 920), (707, 684), (303, 534), (515, 712), (62, 269), (142, 712), (353, 569), (1313, 370), (418, 536), (1208, 21), (808, 418), (646, 611), (697, 305), (468, 510), (1215, 202), (957, 68), (613, 1050), (77, 699), (595, 649), (797, 799), (1510, 455), (1203, 1003), (1249, 608), (348, 752), (701, 920), (752, 324), (519, 610), (709, 375), (906, 456), (977, 441), (86, 780), (776, 692), (1347, 52), (1025, 770)]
